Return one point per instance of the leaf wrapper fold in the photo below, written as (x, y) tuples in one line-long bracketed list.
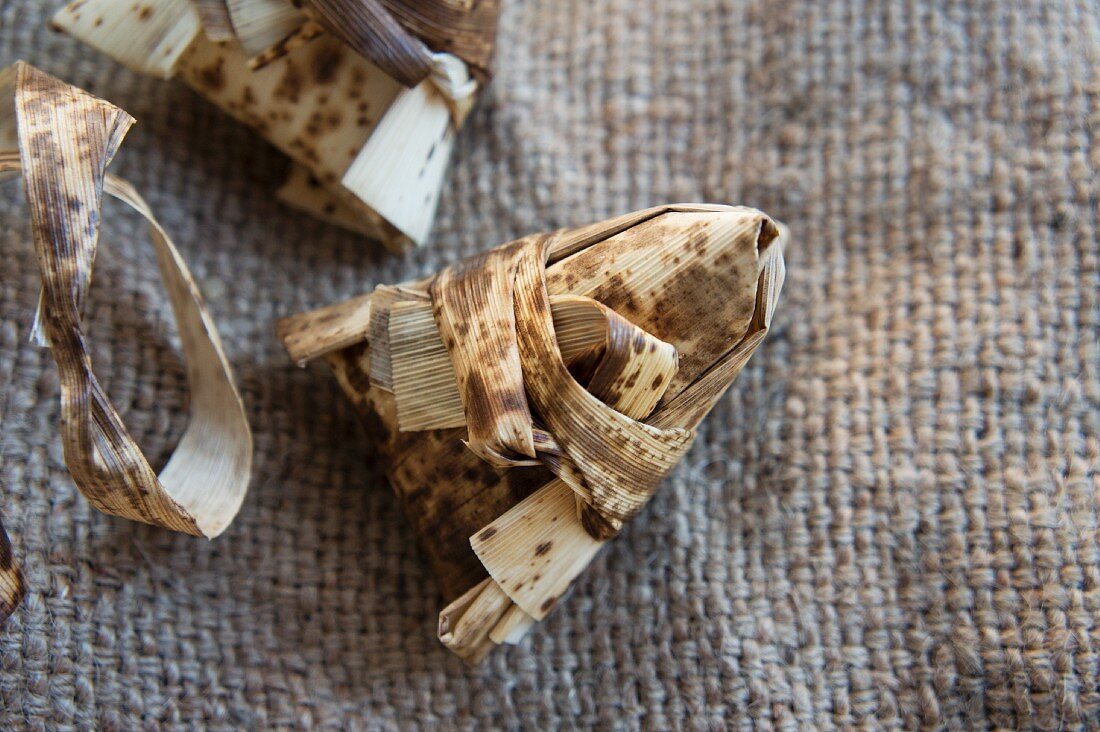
[(12, 586), (627, 332), (364, 95)]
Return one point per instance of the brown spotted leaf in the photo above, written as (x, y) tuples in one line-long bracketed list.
[(66, 138), (12, 588), (702, 279)]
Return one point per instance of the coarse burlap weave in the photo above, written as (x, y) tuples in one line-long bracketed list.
[(891, 520)]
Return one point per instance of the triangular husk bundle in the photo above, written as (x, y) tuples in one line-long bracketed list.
[(365, 96), (529, 400), (60, 140)]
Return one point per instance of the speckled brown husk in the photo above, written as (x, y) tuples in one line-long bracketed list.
[(366, 95), (692, 276), (60, 141)]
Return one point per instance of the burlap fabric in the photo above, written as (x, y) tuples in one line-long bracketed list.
[(890, 521)]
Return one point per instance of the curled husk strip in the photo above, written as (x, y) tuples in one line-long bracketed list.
[(12, 585), (365, 96), (60, 140), (531, 399)]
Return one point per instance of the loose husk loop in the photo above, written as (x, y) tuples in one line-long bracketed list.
[(61, 140)]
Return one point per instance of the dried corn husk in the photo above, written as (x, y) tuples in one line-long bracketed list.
[(61, 140), (12, 587), (215, 20), (259, 25), (147, 37), (427, 390), (307, 194), (530, 399), (364, 95)]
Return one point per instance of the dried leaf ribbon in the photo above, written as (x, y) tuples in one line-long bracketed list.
[(372, 32), (591, 353), (12, 586), (495, 316), (365, 96), (398, 36), (62, 139)]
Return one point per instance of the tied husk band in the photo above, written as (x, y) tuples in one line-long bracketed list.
[(365, 96), (61, 140), (531, 399), (496, 320)]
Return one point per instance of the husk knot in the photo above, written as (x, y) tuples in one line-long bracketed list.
[(523, 400)]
